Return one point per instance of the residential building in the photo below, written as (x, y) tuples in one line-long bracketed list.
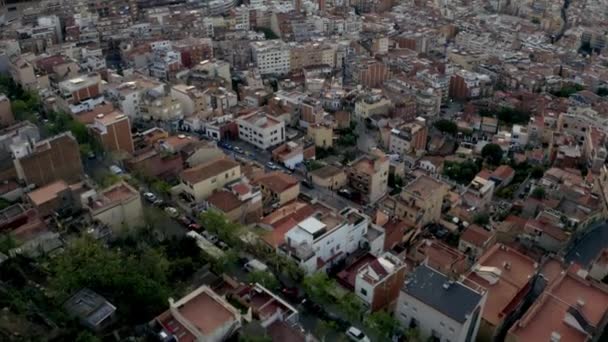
[(6, 113), (113, 131), (571, 308), (160, 106), (201, 315), (371, 105), (409, 138), (200, 181), (329, 177), (420, 201), (479, 193), (475, 241), (278, 188), (320, 241), (271, 56), (506, 275), (369, 175), (241, 202), (599, 266), (290, 154), (321, 134), (502, 176), (191, 98), (79, 94), (127, 96), (441, 308), (24, 74), (50, 160), (266, 306), (378, 282), (92, 310), (118, 206), (261, 130), (51, 198), (440, 257)]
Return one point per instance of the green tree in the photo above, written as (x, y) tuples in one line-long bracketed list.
[(446, 126), (492, 153), (537, 172), (324, 328), (266, 279), (317, 286), (351, 306), (413, 335), (161, 187), (538, 192), (602, 91), (7, 242), (217, 223), (481, 219), (461, 172), (383, 324)]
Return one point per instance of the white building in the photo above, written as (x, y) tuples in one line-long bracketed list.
[(271, 57), (261, 130), (316, 243), (439, 307), (127, 96)]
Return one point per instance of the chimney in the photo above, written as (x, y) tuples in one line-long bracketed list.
[(506, 265), (555, 337)]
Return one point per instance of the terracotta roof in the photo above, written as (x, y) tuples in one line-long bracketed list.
[(327, 171), (476, 235), (205, 171), (503, 172), (277, 181), (47, 193), (225, 201)]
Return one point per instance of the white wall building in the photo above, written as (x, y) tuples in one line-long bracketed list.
[(439, 307), (261, 130), (271, 57)]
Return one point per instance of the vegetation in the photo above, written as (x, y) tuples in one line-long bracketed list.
[(322, 153), (446, 126), (537, 172), (538, 192), (508, 115), (602, 91), (568, 90), (313, 165), (461, 172), (383, 324), (266, 279), (395, 182), (24, 103), (7, 242), (481, 219), (492, 153), (268, 33), (348, 136)]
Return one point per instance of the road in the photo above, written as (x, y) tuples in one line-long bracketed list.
[(584, 250)]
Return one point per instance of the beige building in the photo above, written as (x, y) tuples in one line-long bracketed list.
[(278, 188), (310, 54), (191, 98), (6, 113), (420, 201), (202, 180), (374, 104), (158, 106), (118, 206), (22, 71), (369, 175), (321, 134), (330, 177)]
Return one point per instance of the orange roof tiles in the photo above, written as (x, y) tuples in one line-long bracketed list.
[(277, 181), (205, 171)]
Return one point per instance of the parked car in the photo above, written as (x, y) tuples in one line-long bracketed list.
[(116, 170), (345, 193), (238, 149), (272, 165), (194, 226), (307, 184), (171, 211), (159, 202), (184, 220), (222, 245), (150, 197), (355, 334), (255, 265), (210, 237)]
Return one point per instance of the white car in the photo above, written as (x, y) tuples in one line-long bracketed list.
[(171, 211), (272, 166), (356, 335), (150, 197), (116, 170)]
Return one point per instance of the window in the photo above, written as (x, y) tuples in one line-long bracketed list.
[(363, 292), (442, 324), (403, 315)]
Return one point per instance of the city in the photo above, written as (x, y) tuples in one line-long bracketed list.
[(303, 170)]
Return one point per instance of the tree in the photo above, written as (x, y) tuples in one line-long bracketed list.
[(324, 328), (538, 192), (351, 306), (537, 172), (461, 172), (161, 187), (446, 126), (602, 91), (317, 287), (413, 335), (217, 223), (513, 116), (383, 324), (481, 219), (265, 279), (7, 242), (492, 153)]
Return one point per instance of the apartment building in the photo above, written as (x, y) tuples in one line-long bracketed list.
[(80, 94), (157, 105), (50, 160), (278, 188), (113, 131), (320, 241), (118, 206), (369, 175), (261, 130), (24, 74), (321, 134), (441, 308), (329, 177), (271, 57), (127, 95), (198, 182), (191, 98), (479, 192), (409, 138), (6, 113), (312, 54), (378, 282)]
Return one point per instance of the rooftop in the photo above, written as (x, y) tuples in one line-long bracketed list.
[(453, 299), (476, 235), (207, 170), (89, 307), (260, 119), (423, 186), (277, 181), (327, 171), (47, 193), (226, 201), (113, 195)]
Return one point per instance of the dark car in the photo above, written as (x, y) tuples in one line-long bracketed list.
[(307, 184)]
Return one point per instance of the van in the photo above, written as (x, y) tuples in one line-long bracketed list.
[(254, 265)]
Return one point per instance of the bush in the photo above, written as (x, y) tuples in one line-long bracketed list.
[(446, 126), (492, 153), (461, 172)]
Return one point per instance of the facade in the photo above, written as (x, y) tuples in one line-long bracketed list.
[(378, 283), (420, 201), (50, 160), (369, 175), (6, 113), (160, 106), (200, 181), (316, 243), (261, 130), (329, 177), (409, 138), (271, 57), (439, 307), (321, 134), (80, 93), (479, 193), (278, 188), (118, 206), (113, 131)]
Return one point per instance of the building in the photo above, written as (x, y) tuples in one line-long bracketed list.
[(200, 181), (439, 256), (441, 308), (92, 310), (51, 198), (290, 154), (320, 241), (190, 97), (420, 201), (118, 206), (157, 105), (278, 188), (6, 113), (321, 134), (475, 240), (113, 131), (570, 309), (329, 177), (266, 306), (79, 94), (409, 138), (506, 275), (261, 130), (50, 160), (127, 96), (271, 57), (369, 175), (378, 282), (202, 315), (479, 193), (502, 176)]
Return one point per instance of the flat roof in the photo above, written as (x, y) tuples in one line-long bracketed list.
[(47, 193), (312, 225)]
